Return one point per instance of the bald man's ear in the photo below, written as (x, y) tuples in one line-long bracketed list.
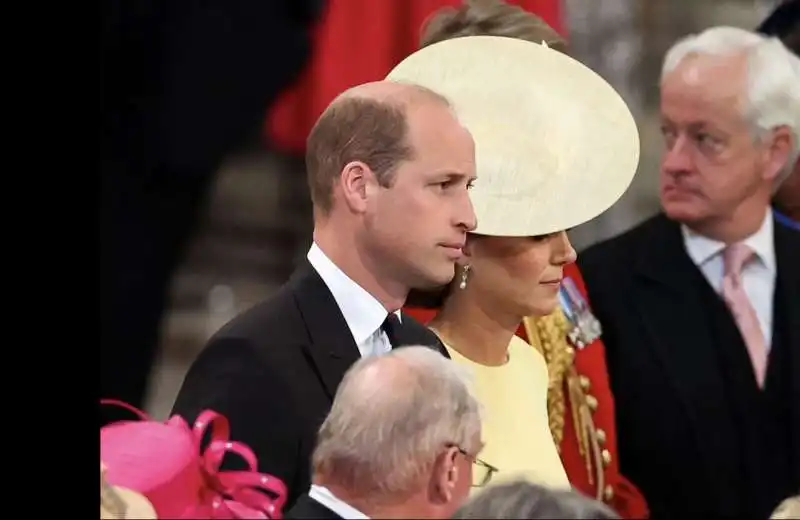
[(355, 181)]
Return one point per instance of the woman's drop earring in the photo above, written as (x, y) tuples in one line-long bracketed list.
[(464, 275)]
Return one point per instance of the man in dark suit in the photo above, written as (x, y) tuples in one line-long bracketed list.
[(700, 304), (384, 456), (389, 166)]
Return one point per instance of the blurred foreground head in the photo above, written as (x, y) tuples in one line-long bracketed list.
[(789, 508), (518, 500), (402, 436)]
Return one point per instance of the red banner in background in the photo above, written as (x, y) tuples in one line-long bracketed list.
[(360, 41)]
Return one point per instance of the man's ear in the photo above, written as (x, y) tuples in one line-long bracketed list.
[(354, 181), (445, 476), (779, 152)]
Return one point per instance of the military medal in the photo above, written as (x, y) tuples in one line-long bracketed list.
[(585, 327)]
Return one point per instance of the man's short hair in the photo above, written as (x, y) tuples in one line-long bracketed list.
[(383, 434), (490, 18), (360, 128), (520, 499), (355, 129), (772, 98)]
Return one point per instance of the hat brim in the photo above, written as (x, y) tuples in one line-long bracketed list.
[(556, 145)]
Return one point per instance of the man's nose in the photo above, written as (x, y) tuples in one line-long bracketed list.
[(677, 158), (465, 213)]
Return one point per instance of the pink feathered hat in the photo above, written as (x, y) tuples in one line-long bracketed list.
[(165, 463)]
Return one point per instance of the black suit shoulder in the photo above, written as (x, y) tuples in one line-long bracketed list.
[(418, 334), (616, 254), (247, 372), (308, 508)]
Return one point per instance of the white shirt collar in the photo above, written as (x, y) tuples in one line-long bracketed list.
[(701, 248), (324, 496), (363, 313)]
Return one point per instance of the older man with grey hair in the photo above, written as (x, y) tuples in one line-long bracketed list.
[(699, 304), (401, 441)]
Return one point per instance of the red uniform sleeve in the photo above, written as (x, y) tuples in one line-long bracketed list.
[(590, 363)]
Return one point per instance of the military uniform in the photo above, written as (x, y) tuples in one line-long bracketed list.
[(579, 401)]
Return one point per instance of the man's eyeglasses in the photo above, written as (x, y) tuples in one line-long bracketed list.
[(482, 472)]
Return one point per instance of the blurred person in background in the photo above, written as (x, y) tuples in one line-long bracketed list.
[(580, 406), (525, 501), (699, 304), (184, 85), (387, 450), (784, 23), (377, 163), (512, 263)]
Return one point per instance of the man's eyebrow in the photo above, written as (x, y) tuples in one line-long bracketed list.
[(454, 175)]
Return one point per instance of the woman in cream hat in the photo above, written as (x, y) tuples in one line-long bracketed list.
[(555, 147)]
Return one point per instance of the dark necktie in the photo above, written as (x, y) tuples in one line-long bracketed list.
[(391, 325)]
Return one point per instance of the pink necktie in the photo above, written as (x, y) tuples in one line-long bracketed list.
[(735, 257)]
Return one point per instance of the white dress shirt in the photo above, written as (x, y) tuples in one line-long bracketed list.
[(326, 498), (363, 313), (758, 276)]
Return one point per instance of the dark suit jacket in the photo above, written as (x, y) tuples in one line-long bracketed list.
[(695, 433), (273, 372), (308, 508)]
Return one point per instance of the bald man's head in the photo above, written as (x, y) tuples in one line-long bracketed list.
[(384, 431), (367, 123), (390, 92)]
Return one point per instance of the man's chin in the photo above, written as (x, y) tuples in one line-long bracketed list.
[(681, 212), (434, 278)]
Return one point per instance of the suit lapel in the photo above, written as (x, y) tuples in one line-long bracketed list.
[(786, 311), (669, 292), (332, 348)]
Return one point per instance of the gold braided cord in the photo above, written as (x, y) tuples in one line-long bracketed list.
[(545, 332), (597, 457), (549, 334)]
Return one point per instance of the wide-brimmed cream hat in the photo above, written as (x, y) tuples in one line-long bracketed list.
[(555, 144)]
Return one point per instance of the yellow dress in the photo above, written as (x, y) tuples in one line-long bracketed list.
[(515, 423)]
